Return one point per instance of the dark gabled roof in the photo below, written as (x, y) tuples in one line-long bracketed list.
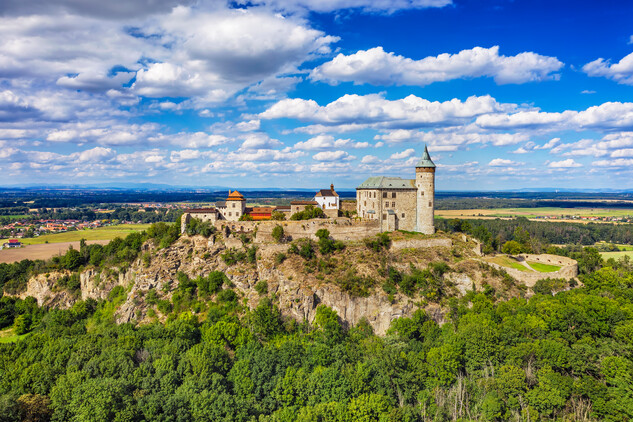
[(200, 210), (326, 192), (382, 182), (220, 204), (304, 203), (425, 161)]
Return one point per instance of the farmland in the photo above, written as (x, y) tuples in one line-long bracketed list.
[(101, 233), (577, 215)]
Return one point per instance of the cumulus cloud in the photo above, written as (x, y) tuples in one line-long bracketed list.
[(324, 142), (621, 72), (564, 164), (260, 141), (407, 153), (410, 111), (620, 162), (224, 51), (502, 162), (332, 156), (377, 67)]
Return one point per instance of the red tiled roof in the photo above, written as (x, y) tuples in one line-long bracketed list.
[(235, 196)]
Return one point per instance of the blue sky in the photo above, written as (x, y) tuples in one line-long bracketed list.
[(280, 93)]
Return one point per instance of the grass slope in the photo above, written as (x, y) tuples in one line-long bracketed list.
[(543, 268)]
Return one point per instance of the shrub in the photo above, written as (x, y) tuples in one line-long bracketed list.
[(196, 226), (227, 295), (261, 288), (232, 257), (278, 215), (280, 257), (278, 233), (380, 242), (303, 247), (308, 213)]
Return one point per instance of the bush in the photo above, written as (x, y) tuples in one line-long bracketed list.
[(512, 247), (304, 248), (278, 233), (380, 242), (308, 213), (278, 215), (196, 226), (227, 295), (232, 257), (280, 257), (261, 288)]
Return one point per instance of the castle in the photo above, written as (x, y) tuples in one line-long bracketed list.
[(400, 204), (385, 203)]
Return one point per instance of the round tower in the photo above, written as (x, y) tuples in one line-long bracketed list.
[(425, 182)]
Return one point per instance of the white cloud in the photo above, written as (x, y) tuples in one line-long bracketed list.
[(620, 162), (621, 72), (569, 163), (501, 162), (324, 142), (332, 156), (403, 154), (370, 159), (259, 141), (376, 67), (375, 109), (185, 155), (550, 144), (192, 139)]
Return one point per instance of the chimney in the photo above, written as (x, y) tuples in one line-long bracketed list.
[(332, 187)]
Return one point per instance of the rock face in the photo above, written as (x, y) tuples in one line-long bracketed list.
[(296, 288)]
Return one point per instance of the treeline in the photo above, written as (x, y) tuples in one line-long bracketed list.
[(562, 357), (150, 215), (547, 232)]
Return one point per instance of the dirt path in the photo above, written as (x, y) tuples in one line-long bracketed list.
[(43, 251)]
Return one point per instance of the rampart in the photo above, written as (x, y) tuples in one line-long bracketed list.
[(340, 228), (568, 270), (421, 243)]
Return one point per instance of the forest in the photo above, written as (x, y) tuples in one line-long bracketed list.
[(565, 355)]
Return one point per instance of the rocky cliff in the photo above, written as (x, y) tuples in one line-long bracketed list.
[(295, 284)]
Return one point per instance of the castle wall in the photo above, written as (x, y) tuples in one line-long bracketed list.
[(401, 202), (345, 229)]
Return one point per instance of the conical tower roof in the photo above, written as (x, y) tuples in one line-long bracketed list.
[(425, 161)]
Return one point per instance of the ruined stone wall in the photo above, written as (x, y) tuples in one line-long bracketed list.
[(422, 243), (569, 269)]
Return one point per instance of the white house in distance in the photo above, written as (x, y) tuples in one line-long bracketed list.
[(327, 199)]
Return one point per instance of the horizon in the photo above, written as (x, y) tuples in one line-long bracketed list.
[(286, 95)]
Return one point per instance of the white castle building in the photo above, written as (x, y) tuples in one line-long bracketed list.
[(401, 204)]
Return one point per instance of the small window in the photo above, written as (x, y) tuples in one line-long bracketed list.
[(374, 194), (402, 215), (237, 214), (393, 194), (384, 194), (393, 205), (229, 214), (422, 193), (386, 204), (365, 203), (430, 204), (384, 216)]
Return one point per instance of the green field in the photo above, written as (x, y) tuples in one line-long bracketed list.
[(543, 268), (506, 261), (101, 233), (617, 255)]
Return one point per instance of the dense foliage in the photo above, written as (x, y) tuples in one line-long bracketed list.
[(308, 213), (561, 356), (496, 232)]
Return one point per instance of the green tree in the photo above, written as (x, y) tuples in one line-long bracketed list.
[(278, 233)]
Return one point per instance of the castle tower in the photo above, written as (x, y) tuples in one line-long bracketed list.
[(425, 182), (235, 206)]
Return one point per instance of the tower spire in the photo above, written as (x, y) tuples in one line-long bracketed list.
[(425, 161)]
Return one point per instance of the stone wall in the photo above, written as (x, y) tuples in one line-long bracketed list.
[(569, 269), (340, 229), (421, 243)]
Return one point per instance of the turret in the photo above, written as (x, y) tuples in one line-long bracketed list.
[(425, 182)]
